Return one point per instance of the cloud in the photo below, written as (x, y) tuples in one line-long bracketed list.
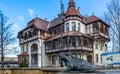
[(21, 18), (16, 26), (31, 12)]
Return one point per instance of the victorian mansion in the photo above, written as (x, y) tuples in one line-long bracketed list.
[(83, 37)]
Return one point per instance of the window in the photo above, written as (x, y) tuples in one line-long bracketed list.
[(95, 28), (97, 58), (26, 36), (34, 48), (53, 45), (73, 41), (67, 27), (96, 45), (23, 48), (78, 26), (27, 48), (35, 32), (53, 60), (84, 42), (30, 34), (73, 26)]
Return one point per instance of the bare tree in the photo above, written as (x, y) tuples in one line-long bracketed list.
[(6, 36), (112, 17)]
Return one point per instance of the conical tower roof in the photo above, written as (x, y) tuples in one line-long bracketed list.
[(71, 9)]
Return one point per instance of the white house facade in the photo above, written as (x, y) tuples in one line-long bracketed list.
[(84, 37)]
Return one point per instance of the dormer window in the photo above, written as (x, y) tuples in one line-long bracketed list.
[(73, 26), (67, 27)]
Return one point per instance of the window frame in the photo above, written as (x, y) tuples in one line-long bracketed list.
[(79, 27), (67, 27), (73, 26)]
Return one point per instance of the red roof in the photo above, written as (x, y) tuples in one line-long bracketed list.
[(91, 19), (39, 23), (71, 9), (70, 33), (23, 54), (55, 22)]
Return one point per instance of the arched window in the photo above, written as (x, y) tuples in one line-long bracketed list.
[(34, 47), (34, 55), (53, 60), (97, 58)]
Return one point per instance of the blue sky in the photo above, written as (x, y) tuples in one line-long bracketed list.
[(20, 12)]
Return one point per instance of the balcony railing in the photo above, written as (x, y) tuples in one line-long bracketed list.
[(99, 34), (28, 39), (70, 48)]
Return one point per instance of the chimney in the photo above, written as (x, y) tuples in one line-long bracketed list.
[(79, 9)]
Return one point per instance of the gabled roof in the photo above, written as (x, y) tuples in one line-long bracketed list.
[(55, 22), (93, 18), (39, 23)]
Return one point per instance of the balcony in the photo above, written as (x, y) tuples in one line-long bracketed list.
[(28, 39), (70, 48), (99, 35)]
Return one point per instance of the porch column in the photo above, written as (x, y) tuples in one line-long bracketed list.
[(29, 53), (39, 53)]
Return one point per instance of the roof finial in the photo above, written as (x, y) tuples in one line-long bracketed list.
[(92, 13), (71, 0), (36, 15), (79, 9), (71, 3), (62, 7)]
